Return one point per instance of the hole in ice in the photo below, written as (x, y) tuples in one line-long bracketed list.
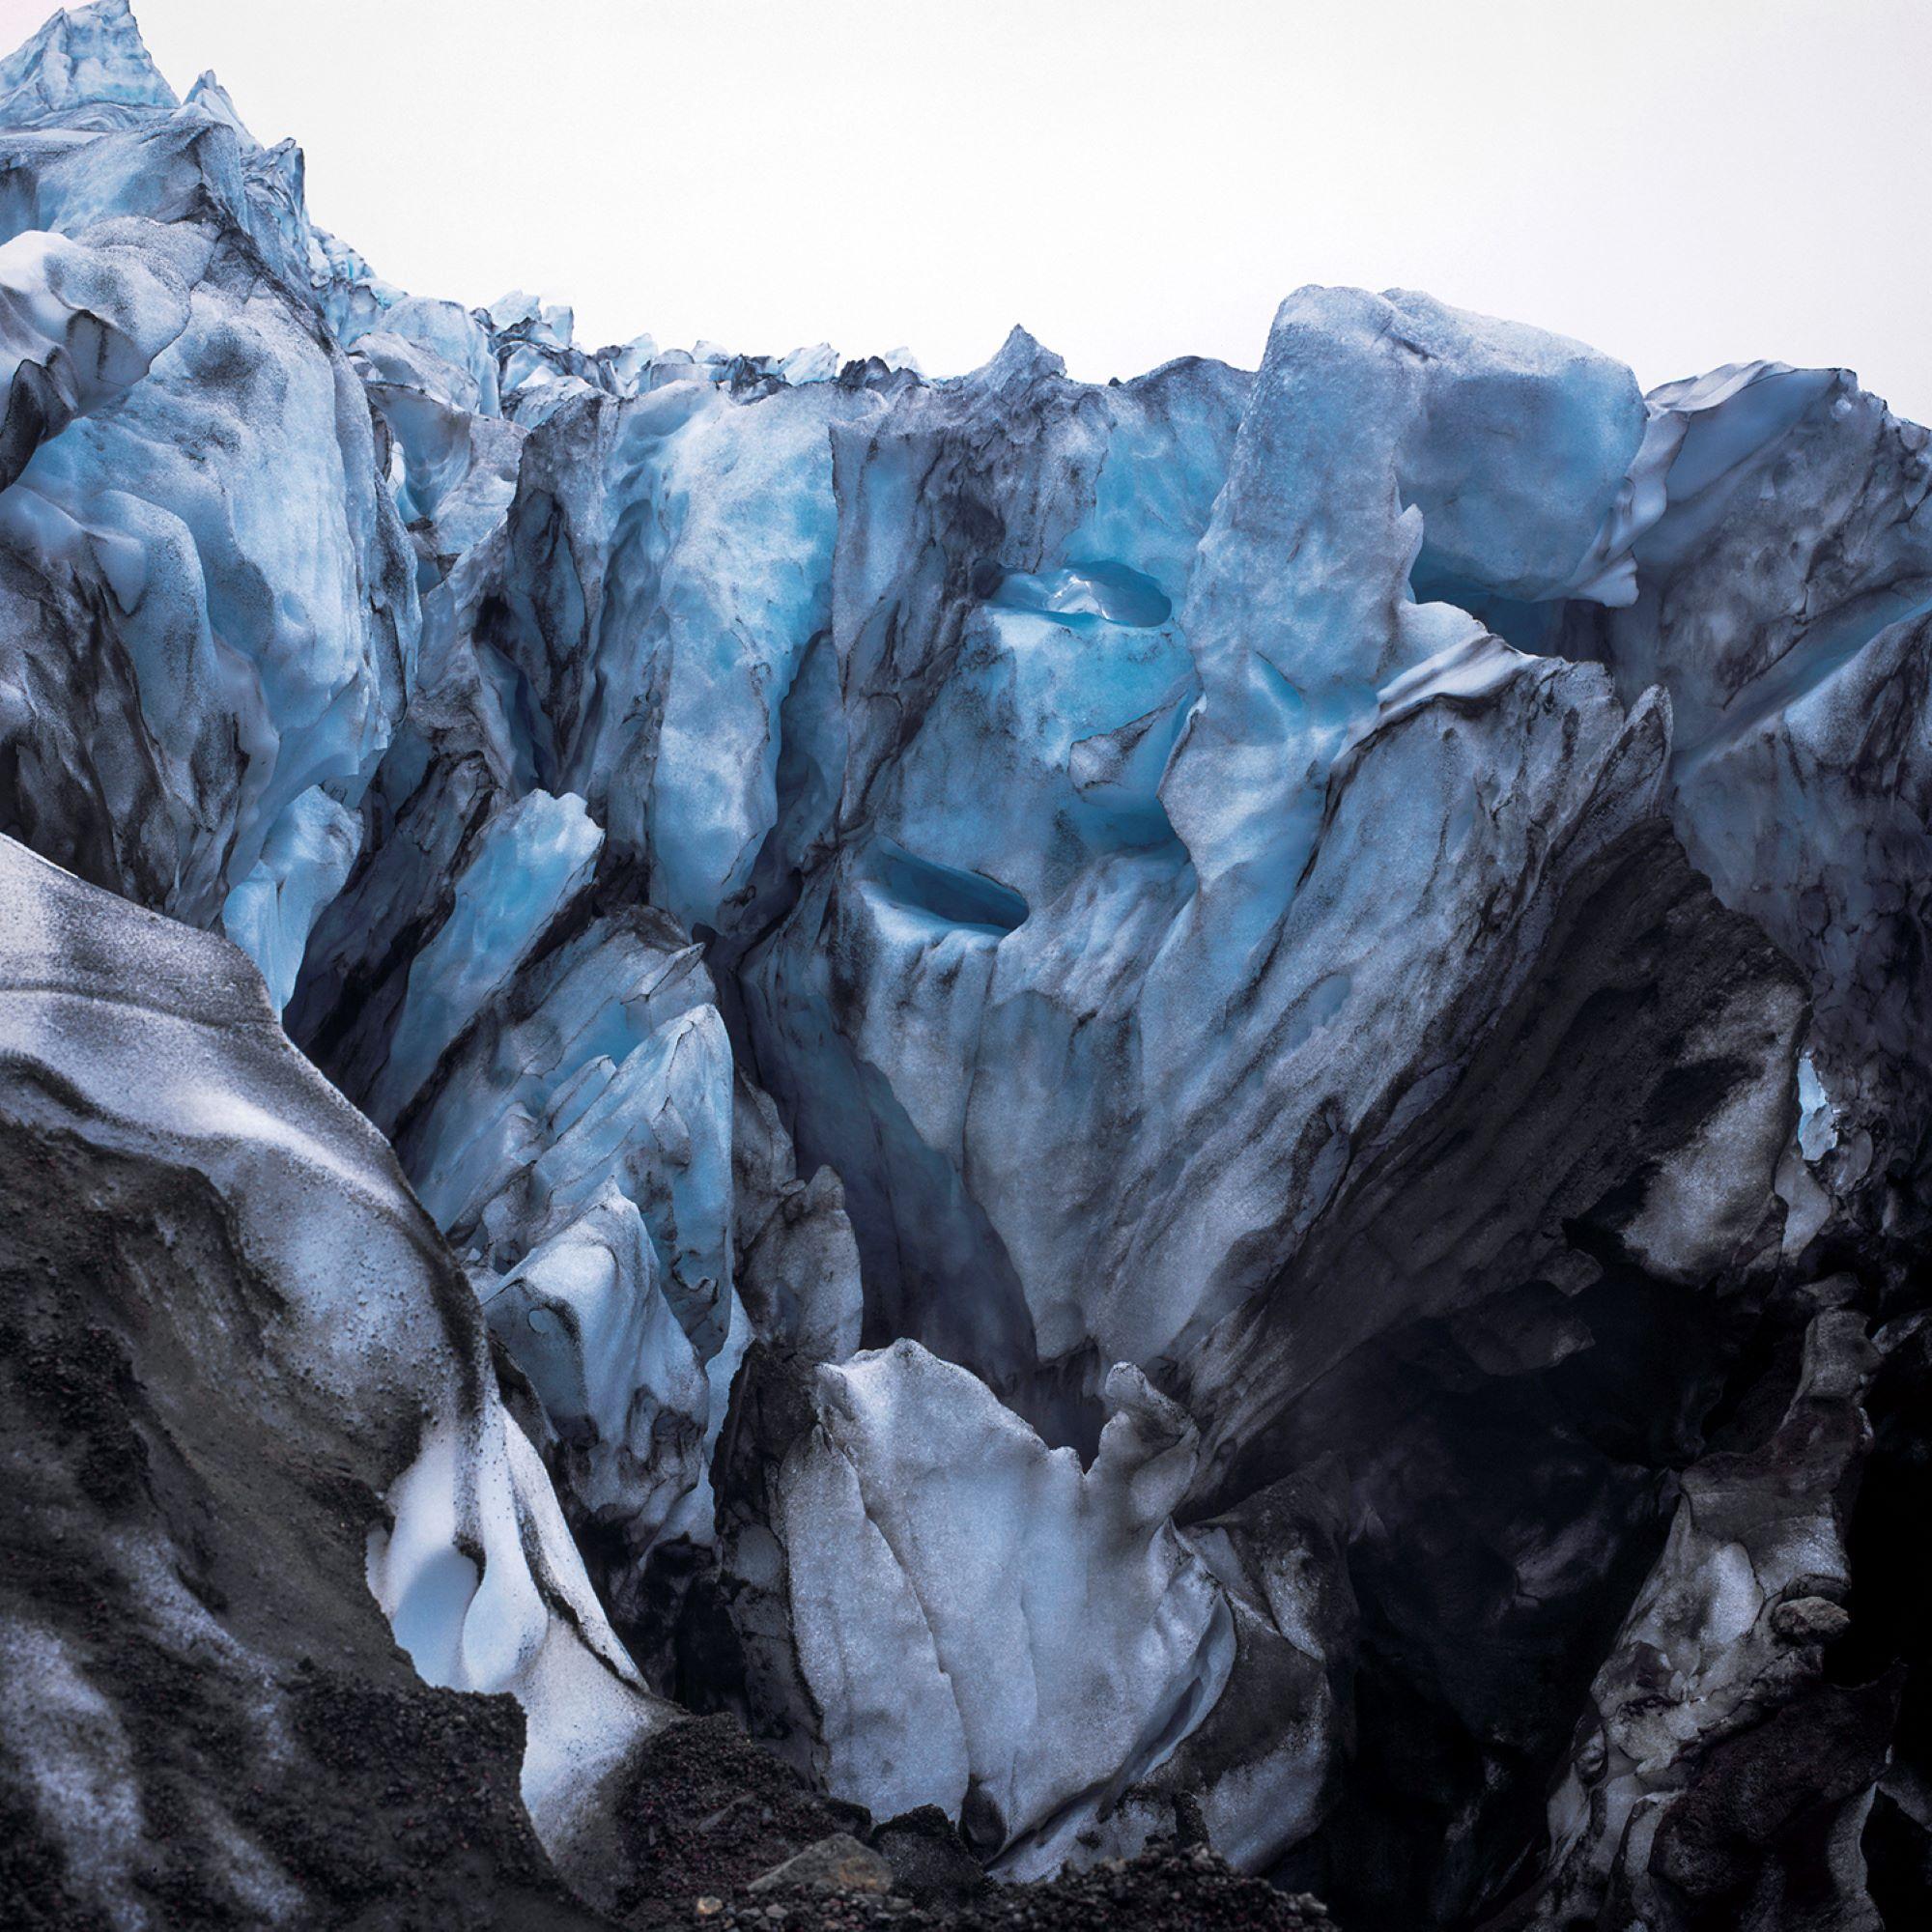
[(1111, 592), (947, 892), (428, 1622), (1532, 628), (1316, 1006)]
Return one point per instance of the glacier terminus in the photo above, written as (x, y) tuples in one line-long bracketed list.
[(977, 1147)]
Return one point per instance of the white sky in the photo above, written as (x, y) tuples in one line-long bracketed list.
[(1681, 181)]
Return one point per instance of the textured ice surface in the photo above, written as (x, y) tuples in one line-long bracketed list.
[(1160, 908), (988, 1627), (163, 1043), (194, 476), (82, 65), (587, 1321)]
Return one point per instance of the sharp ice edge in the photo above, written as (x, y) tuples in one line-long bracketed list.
[(565, 733)]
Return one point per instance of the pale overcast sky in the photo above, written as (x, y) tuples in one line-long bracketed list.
[(1681, 181)]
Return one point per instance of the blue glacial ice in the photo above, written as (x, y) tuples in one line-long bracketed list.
[(1054, 1022)]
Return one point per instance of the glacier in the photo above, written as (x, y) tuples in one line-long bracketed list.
[(1183, 1112)]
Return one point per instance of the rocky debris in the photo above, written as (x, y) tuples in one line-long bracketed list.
[(1811, 1620), (1162, 1888), (703, 1811), (928, 1859)]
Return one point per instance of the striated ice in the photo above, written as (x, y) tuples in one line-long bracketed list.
[(303, 866), (535, 856)]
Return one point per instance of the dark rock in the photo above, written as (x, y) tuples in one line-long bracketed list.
[(1811, 1620), (928, 1856)]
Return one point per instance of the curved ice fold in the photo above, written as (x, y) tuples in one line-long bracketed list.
[(79, 327), (158, 1043), (586, 1317), (1111, 591), (486, 1592)]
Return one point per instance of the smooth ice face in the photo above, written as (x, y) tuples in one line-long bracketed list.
[(1518, 443), (1817, 1134)]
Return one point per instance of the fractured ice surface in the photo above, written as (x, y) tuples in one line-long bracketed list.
[(988, 1627), (675, 547), (1305, 778), (198, 553), (1159, 909), (536, 855), (1734, 1619), (1784, 604), (79, 68)]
